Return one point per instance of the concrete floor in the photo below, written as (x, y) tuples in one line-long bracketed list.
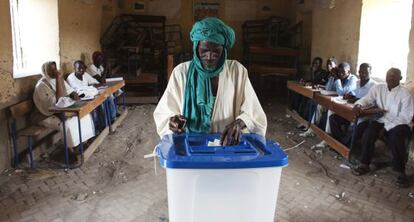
[(118, 184)]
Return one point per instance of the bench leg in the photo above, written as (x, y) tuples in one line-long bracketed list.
[(80, 136), (30, 144), (62, 118), (14, 140), (123, 98), (108, 115)]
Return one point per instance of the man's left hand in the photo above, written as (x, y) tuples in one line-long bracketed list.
[(231, 135), (74, 96)]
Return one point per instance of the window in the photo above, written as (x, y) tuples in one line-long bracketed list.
[(384, 35), (35, 31)]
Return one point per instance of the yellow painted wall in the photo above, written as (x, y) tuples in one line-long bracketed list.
[(335, 32), (79, 30)]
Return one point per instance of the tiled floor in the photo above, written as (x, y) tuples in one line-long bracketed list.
[(118, 184)]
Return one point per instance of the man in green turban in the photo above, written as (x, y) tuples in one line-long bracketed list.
[(210, 93)]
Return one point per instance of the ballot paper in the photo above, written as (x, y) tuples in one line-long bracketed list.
[(64, 102), (102, 87), (86, 98), (114, 79), (328, 93), (216, 142), (339, 100)]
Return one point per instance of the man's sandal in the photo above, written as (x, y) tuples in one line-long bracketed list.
[(359, 171)]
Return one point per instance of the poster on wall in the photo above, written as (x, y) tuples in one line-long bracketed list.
[(139, 6), (202, 9)]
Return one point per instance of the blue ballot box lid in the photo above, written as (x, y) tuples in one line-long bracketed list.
[(191, 151)]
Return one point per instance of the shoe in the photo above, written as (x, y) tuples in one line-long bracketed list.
[(360, 170), (402, 181), (307, 133), (301, 127), (322, 144)]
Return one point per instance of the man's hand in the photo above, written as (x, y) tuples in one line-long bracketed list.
[(74, 96), (59, 75), (231, 135), (177, 123), (357, 109), (348, 96)]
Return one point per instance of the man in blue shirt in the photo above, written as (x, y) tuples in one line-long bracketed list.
[(332, 73), (338, 125), (346, 83)]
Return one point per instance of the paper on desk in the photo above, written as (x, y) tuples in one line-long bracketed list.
[(328, 93), (89, 91), (64, 102), (102, 87), (339, 100), (87, 98), (216, 142), (114, 79)]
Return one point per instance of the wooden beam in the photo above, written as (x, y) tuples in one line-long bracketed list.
[(342, 149), (118, 121), (95, 144), (298, 88)]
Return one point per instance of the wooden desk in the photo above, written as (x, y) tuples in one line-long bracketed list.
[(114, 87), (301, 89), (304, 91), (343, 110), (323, 100), (83, 108)]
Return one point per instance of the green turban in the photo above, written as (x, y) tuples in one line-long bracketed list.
[(198, 95)]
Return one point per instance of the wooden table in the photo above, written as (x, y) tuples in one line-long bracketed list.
[(301, 89), (343, 110), (304, 91), (83, 108), (346, 112)]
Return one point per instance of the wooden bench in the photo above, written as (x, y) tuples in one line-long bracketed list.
[(30, 131)]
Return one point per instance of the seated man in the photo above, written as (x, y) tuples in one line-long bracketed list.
[(300, 103), (210, 93), (345, 83), (338, 125), (319, 76), (83, 83), (399, 106), (311, 106), (332, 73), (48, 91), (96, 69)]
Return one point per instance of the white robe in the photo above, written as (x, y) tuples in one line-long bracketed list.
[(84, 86), (235, 99), (398, 103), (44, 97), (93, 70)]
